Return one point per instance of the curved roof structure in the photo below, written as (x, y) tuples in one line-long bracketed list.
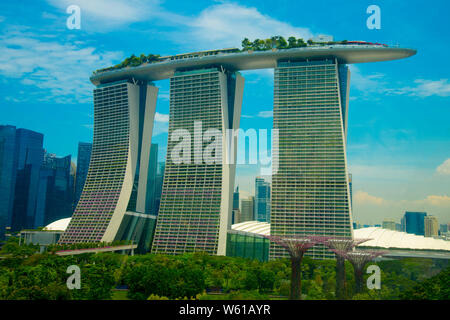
[(389, 239), (256, 227), (381, 238), (58, 225), (250, 60)]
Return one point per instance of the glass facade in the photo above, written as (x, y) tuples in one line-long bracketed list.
[(83, 159), (55, 190), (310, 191), (29, 153), (262, 200), (246, 245), (415, 222), (8, 168)]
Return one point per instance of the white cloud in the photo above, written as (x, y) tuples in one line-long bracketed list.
[(160, 128), (226, 24), (159, 117), (438, 201), (366, 83), (107, 14), (364, 198), (444, 168), (60, 70), (265, 114), (426, 88)]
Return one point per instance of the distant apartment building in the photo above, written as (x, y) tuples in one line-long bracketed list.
[(247, 209), (414, 222), (431, 226), (389, 224), (83, 160)]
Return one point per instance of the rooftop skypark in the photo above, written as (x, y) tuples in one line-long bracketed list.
[(273, 43)]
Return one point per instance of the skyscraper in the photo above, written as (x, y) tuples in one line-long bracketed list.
[(414, 222), (83, 159), (151, 203), (262, 200), (310, 191), (431, 226), (236, 199), (29, 152), (247, 209), (8, 171), (350, 186), (55, 195), (159, 185), (113, 200), (196, 200)]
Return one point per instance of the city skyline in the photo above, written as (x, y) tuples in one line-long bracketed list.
[(390, 175)]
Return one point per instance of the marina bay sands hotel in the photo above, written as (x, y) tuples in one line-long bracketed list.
[(310, 190)]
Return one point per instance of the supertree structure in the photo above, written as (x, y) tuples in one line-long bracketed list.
[(296, 247), (359, 259), (340, 246)]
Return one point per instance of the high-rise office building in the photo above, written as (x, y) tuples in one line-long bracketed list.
[(443, 228), (431, 226), (389, 224), (8, 171), (196, 200), (247, 209), (262, 200), (310, 190), (414, 222), (83, 159), (159, 185), (236, 216), (151, 203), (236, 199), (55, 193), (112, 204), (29, 152), (350, 186)]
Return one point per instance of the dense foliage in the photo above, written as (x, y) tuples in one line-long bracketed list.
[(275, 42), (25, 274)]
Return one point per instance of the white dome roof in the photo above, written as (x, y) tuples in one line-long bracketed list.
[(261, 228), (384, 238), (381, 238), (58, 225)]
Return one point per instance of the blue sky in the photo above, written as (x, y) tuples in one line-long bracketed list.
[(399, 117)]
